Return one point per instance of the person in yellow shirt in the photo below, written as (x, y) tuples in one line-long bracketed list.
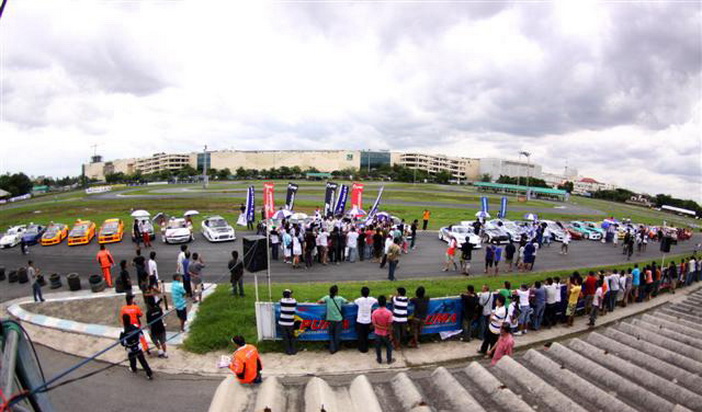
[(425, 217), (574, 293), (246, 362)]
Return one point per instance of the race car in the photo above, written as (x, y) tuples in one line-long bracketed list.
[(111, 231), (511, 228), (82, 233), (54, 234), (177, 231), (554, 230), (461, 233), (585, 230), (216, 229), (13, 236), (574, 234), (594, 227), (33, 234)]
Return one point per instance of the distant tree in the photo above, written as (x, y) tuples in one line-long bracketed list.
[(486, 177), (17, 183), (567, 186), (212, 173), (224, 174), (311, 170), (442, 177), (113, 178), (165, 175), (241, 173)]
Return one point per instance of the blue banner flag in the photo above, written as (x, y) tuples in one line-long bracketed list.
[(341, 200), (503, 208), (484, 204), (374, 209), (250, 205)]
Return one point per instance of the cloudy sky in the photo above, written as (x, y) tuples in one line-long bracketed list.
[(613, 89)]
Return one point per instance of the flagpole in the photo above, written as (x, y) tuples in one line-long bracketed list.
[(268, 257)]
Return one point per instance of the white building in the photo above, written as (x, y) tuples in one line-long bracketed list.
[(588, 185), (460, 168), (496, 167)]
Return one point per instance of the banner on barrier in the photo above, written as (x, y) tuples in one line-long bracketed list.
[(250, 205), (268, 200)]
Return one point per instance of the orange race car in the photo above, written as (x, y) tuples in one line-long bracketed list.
[(54, 234), (82, 233), (112, 230)]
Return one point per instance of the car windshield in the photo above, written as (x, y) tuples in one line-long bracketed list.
[(110, 227), (218, 223), (176, 224), (52, 231), (459, 229), (33, 230), (79, 230)]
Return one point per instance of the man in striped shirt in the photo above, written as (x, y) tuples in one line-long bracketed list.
[(286, 321), (399, 316)]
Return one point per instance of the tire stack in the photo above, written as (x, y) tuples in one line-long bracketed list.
[(73, 282), (2, 273), (54, 281), (12, 276), (22, 275), (97, 283)]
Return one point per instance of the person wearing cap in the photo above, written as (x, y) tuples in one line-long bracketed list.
[(246, 362), (286, 321)]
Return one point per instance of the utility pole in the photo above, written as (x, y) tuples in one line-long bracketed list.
[(528, 157), (204, 168)]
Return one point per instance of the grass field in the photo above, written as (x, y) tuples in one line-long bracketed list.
[(222, 315)]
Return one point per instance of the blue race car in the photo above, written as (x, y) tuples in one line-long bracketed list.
[(33, 234)]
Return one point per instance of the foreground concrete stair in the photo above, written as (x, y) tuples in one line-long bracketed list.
[(651, 362)]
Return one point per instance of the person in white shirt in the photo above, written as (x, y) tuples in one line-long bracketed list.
[(524, 308), (597, 302), (614, 290), (152, 268), (565, 243), (363, 319), (180, 259), (322, 243), (352, 245), (553, 292)]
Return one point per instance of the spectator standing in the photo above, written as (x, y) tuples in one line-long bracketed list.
[(180, 259), (178, 296), (400, 302), (589, 287), (195, 269), (636, 283), (504, 346), (377, 246), (352, 244), (524, 308), (152, 268), (124, 280), (596, 303), (186, 275), (236, 274), (425, 218), (574, 290), (309, 247), (157, 330), (34, 275), (246, 362), (539, 304), (497, 317), (510, 250), (413, 233), (361, 245), (334, 317), (613, 290), (470, 306), (485, 301), (498, 258), (466, 257), (130, 338), (564, 243), (146, 236), (451, 254), (106, 262), (142, 273), (393, 257), (136, 232), (363, 319), (382, 324), (135, 314), (322, 242), (274, 238), (288, 309), (552, 293), (419, 316)]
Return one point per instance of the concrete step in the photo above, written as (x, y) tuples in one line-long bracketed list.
[(672, 325), (663, 387), (589, 395), (675, 319), (654, 350), (319, 396), (498, 392), (684, 314), (680, 337), (363, 396), (270, 396), (660, 340), (408, 394), (530, 382), (606, 379), (452, 390), (691, 308), (656, 364), (231, 396)]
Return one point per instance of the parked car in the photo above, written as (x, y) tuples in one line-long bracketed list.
[(512, 228), (461, 233), (13, 236), (554, 230), (495, 235), (111, 231), (594, 227), (82, 233), (216, 229), (54, 234), (574, 234), (33, 234), (177, 231), (586, 231)]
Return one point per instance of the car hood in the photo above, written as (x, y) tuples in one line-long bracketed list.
[(221, 229), (181, 231), (9, 238)]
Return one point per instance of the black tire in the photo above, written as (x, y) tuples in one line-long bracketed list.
[(55, 281), (12, 276), (96, 286), (2, 273), (22, 276), (73, 282), (94, 279)]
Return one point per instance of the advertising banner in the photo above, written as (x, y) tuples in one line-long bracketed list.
[(310, 325), (357, 195), (374, 209), (290, 196), (329, 197), (503, 208), (250, 205), (268, 200), (484, 204), (341, 200)]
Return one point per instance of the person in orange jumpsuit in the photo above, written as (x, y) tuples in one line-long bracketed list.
[(106, 261), (134, 312), (246, 362)]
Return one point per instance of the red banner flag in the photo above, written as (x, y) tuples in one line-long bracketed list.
[(356, 195), (268, 200)]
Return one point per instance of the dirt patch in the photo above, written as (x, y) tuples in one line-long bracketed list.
[(102, 311)]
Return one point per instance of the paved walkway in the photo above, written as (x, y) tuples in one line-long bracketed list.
[(344, 362)]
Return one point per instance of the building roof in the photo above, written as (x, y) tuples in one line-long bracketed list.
[(520, 188), (4, 193), (588, 180)]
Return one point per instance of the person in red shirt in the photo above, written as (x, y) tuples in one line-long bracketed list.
[(589, 288), (382, 323), (135, 313), (106, 261), (246, 362), (451, 255)]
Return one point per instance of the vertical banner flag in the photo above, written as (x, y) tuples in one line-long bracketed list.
[(341, 200), (290, 196), (268, 201), (357, 195), (503, 208), (484, 204), (329, 199), (374, 209), (250, 205)]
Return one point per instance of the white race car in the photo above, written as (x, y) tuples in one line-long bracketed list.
[(461, 233), (512, 228), (13, 236), (178, 231), (556, 232), (216, 229)]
